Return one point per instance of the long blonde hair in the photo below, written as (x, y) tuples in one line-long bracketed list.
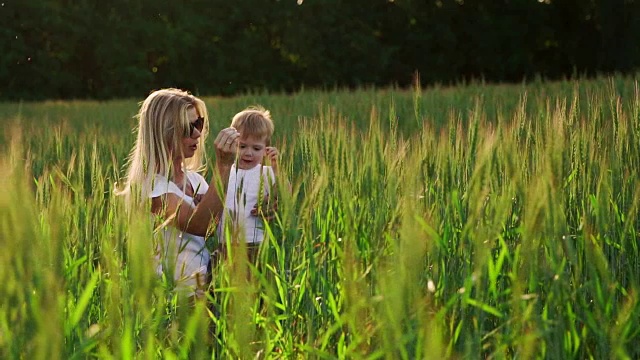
[(162, 123)]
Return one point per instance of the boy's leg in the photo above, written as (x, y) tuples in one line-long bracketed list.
[(253, 250)]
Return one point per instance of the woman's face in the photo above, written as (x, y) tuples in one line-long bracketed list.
[(190, 143)]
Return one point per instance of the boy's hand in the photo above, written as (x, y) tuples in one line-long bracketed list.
[(267, 209), (272, 154)]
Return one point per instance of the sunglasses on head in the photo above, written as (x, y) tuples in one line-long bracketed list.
[(198, 124)]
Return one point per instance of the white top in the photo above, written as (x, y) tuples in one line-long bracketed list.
[(244, 189), (183, 253)]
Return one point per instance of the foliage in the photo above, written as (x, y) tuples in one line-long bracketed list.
[(482, 221), (57, 49)]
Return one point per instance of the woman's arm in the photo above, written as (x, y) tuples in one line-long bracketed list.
[(198, 220)]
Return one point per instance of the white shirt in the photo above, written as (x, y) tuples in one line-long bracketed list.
[(183, 253), (245, 188)]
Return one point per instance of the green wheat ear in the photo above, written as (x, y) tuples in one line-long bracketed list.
[(261, 190)]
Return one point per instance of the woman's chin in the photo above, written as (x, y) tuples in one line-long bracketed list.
[(190, 152), (186, 155)]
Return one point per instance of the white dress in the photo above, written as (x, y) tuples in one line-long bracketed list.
[(243, 191), (183, 254)]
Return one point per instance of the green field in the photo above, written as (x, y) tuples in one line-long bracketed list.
[(481, 221)]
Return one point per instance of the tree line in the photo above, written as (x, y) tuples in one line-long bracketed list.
[(61, 49)]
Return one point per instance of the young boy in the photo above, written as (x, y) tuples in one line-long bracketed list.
[(250, 181)]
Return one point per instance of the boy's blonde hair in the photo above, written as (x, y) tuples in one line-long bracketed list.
[(254, 121)]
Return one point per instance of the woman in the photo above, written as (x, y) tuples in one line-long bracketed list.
[(163, 167)]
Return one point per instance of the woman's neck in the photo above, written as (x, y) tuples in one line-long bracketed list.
[(178, 172)]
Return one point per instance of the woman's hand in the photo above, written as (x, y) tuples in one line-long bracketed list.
[(226, 144)]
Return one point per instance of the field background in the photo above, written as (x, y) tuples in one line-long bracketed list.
[(478, 221)]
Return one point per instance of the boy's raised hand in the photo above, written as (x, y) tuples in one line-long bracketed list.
[(269, 206), (272, 154)]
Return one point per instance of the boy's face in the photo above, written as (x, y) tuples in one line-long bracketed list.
[(252, 150)]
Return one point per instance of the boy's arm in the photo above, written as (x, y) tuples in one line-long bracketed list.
[(273, 155), (270, 203)]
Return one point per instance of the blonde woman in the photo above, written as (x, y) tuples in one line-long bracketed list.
[(162, 169)]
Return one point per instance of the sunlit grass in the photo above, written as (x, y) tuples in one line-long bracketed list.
[(472, 222)]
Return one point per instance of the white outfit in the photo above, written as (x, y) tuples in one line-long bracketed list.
[(182, 253), (244, 189)]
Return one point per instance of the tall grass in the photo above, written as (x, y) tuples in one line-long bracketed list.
[(473, 222)]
